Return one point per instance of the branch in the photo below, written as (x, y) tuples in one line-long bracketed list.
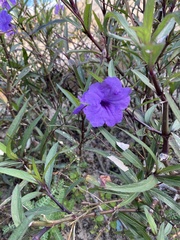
[(74, 217)]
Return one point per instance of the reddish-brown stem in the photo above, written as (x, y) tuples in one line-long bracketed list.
[(165, 111)]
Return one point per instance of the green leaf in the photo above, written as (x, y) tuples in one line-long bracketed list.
[(70, 96), (122, 21), (100, 26), (18, 174), (36, 171), (45, 210), (73, 185), (112, 35), (17, 212), (19, 232), (2, 147), (56, 233), (173, 105), (144, 32), (148, 19), (24, 72), (49, 164), (141, 186), (128, 200), (134, 226), (170, 169), (132, 158), (99, 79), (25, 56), (144, 79), (151, 221), (111, 70), (149, 113), (174, 142), (87, 16), (66, 136), (49, 24), (175, 126), (166, 199), (168, 229), (15, 124), (9, 152), (164, 28), (28, 133), (48, 131), (143, 145), (128, 155), (151, 52), (170, 180), (30, 196), (161, 233)]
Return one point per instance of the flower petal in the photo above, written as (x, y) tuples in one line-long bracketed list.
[(78, 109)]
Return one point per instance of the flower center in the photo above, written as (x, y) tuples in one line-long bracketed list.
[(104, 104)]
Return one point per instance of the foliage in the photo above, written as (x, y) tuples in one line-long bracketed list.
[(56, 169)]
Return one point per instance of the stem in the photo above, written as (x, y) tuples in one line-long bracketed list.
[(129, 12), (165, 111), (156, 84), (74, 9), (48, 192), (82, 216), (42, 232), (82, 135), (165, 127), (144, 124)]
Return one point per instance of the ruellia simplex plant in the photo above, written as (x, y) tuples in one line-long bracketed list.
[(90, 119)]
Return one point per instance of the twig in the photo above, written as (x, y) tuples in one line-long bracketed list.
[(144, 124), (48, 192), (81, 216), (42, 232)]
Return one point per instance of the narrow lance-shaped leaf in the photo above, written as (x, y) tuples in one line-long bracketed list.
[(148, 18), (15, 124), (87, 16), (2, 147), (128, 155), (144, 79), (173, 105), (50, 158), (98, 22), (143, 145), (111, 70), (19, 232), (141, 186), (18, 174), (122, 21), (151, 221), (166, 199), (28, 133), (17, 212), (164, 28), (70, 96), (144, 32)]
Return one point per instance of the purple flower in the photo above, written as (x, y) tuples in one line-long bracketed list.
[(6, 5), (104, 102), (5, 21), (58, 7)]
